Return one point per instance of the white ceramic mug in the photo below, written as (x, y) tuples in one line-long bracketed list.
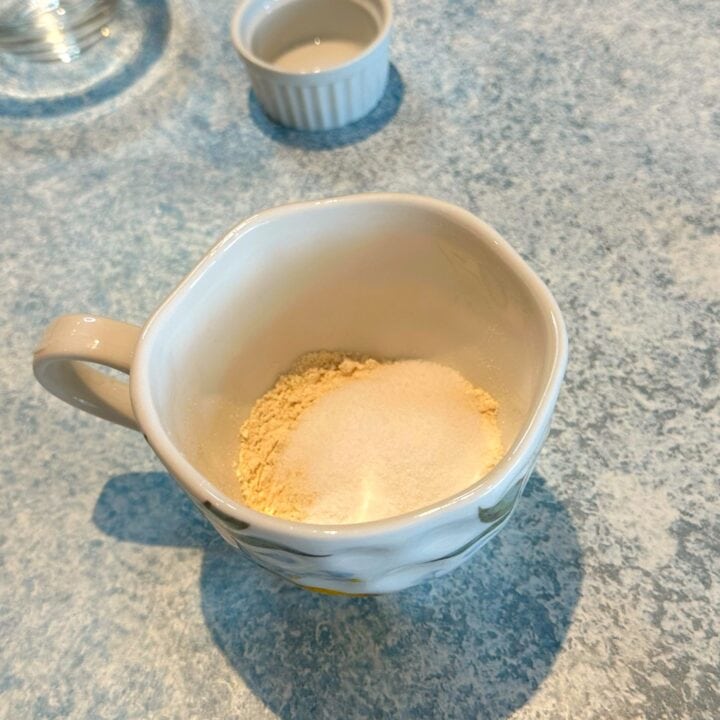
[(383, 274)]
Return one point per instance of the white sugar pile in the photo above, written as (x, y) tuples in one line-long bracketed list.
[(385, 440)]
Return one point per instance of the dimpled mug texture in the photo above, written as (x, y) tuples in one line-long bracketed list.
[(389, 564), (387, 275)]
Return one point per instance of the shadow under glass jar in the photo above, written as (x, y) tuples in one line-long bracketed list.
[(47, 30)]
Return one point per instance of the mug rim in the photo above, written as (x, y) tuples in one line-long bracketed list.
[(517, 459)]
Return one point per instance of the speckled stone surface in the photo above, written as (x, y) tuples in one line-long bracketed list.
[(588, 134)]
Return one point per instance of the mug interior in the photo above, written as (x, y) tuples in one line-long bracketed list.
[(401, 278)]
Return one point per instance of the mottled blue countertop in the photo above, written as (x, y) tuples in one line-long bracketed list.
[(588, 134)]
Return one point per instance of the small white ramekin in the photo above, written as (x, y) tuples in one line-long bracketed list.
[(321, 99)]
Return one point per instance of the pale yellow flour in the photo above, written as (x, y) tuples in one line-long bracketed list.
[(311, 443), (272, 419)]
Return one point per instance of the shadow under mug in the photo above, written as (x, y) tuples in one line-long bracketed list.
[(388, 275)]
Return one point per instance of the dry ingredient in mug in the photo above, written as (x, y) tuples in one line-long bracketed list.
[(342, 439)]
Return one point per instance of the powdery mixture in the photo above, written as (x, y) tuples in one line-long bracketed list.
[(342, 439)]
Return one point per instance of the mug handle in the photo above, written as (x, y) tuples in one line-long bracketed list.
[(60, 364)]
